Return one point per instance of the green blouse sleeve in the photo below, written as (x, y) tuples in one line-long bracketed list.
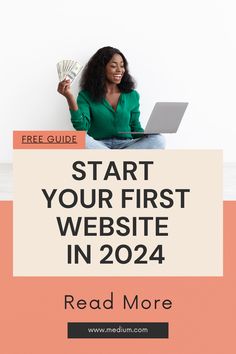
[(81, 119), (135, 124)]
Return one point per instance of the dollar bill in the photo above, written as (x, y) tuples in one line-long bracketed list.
[(68, 69)]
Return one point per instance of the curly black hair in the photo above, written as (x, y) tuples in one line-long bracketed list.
[(93, 77)]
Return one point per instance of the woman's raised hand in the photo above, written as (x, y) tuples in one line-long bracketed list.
[(64, 88)]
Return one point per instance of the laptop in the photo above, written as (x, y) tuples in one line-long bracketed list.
[(165, 118)]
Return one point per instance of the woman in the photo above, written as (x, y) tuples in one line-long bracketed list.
[(107, 107)]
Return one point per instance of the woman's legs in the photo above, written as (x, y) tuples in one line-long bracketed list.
[(151, 141), (156, 141), (94, 144)]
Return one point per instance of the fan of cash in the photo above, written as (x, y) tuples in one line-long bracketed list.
[(68, 69)]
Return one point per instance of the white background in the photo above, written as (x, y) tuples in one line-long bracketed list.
[(177, 50)]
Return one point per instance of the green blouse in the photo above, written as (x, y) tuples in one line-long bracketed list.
[(102, 121)]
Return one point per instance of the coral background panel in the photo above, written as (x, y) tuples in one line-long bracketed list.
[(33, 319)]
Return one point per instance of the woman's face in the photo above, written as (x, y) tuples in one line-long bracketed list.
[(115, 69)]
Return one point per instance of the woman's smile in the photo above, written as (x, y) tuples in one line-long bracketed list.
[(117, 76)]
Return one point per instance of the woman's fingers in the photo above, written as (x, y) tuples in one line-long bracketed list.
[(63, 86)]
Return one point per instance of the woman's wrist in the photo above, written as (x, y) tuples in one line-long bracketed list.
[(72, 102)]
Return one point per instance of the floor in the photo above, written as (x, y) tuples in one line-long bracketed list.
[(6, 184)]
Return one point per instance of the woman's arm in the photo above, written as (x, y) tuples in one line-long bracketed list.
[(135, 124), (80, 111), (73, 106)]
